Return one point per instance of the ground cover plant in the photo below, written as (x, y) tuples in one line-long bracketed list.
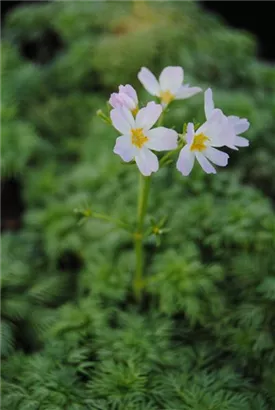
[(75, 335)]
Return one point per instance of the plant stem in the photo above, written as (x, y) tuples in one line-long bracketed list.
[(107, 218), (169, 155), (144, 186), (161, 118)]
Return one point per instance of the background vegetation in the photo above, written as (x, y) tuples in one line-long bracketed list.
[(72, 335)]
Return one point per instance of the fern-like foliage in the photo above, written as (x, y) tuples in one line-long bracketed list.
[(29, 293), (72, 335)]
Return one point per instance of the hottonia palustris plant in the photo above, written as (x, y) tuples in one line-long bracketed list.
[(142, 134)]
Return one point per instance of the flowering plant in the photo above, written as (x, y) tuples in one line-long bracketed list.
[(142, 135)]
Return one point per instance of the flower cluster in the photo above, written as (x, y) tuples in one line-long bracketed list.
[(138, 137)]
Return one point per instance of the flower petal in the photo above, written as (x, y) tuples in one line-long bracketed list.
[(185, 161), (122, 100), (171, 78), (147, 116), (162, 139), (124, 148), (114, 100), (240, 124), (185, 92), (190, 133), (205, 164), (213, 124), (208, 103), (130, 91), (216, 156), (241, 142), (122, 120), (218, 129), (127, 101), (149, 81), (147, 161)]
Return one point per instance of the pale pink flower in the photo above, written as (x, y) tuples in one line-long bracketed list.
[(138, 138), (201, 144), (170, 85), (238, 125), (126, 97)]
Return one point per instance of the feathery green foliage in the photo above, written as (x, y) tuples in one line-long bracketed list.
[(72, 335)]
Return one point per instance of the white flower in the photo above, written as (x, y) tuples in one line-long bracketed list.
[(240, 125), (138, 139), (126, 97), (170, 85), (200, 145), (237, 125)]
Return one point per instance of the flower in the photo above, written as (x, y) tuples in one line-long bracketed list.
[(200, 145), (138, 139), (126, 97), (169, 87), (238, 125)]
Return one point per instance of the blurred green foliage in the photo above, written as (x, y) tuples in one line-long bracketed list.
[(72, 336)]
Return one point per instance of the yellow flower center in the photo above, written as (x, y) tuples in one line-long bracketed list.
[(138, 138), (134, 111), (166, 97), (199, 142)]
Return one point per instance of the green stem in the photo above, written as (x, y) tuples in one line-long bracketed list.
[(107, 218), (161, 118), (144, 186), (168, 155)]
